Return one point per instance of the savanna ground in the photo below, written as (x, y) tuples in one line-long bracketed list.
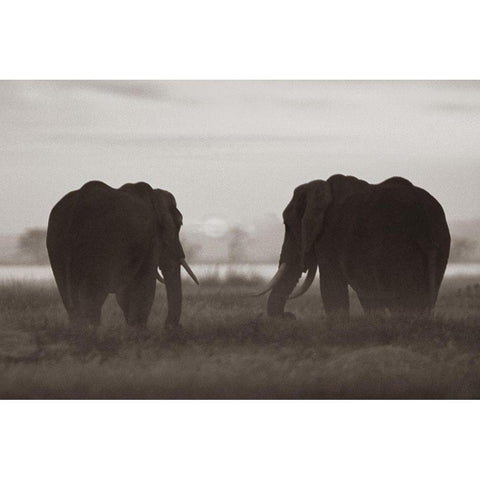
[(230, 349)]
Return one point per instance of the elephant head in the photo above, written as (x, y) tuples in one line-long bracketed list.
[(170, 251), (169, 254), (304, 224)]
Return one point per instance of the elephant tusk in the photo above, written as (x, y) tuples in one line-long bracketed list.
[(159, 277), (306, 284), (185, 265), (276, 278)]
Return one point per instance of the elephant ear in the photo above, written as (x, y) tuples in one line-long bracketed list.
[(169, 219), (161, 209), (165, 211), (317, 199)]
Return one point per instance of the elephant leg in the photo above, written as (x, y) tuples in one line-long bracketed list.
[(334, 291), (373, 308), (136, 302), (173, 286), (411, 312), (410, 300), (367, 305), (281, 291), (88, 308)]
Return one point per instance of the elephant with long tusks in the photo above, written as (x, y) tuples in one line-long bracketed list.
[(389, 241), (103, 240)]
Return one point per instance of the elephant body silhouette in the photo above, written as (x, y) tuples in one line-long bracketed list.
[(102, 240), (389, 241)]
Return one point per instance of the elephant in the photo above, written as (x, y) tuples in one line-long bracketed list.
[(389, 242), (103, 240)]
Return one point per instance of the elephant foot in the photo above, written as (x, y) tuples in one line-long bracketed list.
[(138, 333), (174, 333), (337, 322), (81, 332)]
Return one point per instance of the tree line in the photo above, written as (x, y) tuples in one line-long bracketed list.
[(31, 247)]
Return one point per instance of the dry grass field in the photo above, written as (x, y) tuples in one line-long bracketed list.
[(230, 349)]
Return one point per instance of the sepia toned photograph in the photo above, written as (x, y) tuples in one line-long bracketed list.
[(222, 239)]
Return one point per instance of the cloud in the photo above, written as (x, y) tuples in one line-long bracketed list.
[(128, 88)]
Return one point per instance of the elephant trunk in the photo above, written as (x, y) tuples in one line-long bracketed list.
[(282, 289), (174, 294)]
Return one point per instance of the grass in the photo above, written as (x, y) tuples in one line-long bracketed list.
[(230, 349)]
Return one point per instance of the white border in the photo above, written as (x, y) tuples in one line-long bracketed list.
[(238, 440), (245, 40), (252, 39)]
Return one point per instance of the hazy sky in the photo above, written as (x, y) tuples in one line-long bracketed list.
[(233, 151)]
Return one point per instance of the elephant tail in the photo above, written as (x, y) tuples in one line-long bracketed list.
[(430, 252), (59, 246), (432, 276), (70, 247), (68, 283)]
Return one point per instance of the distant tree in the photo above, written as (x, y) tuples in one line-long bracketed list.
[(463, 250), (31, 245), (237, 245)]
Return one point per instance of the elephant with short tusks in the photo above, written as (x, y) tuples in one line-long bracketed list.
[(103, 240), (390, 242)]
